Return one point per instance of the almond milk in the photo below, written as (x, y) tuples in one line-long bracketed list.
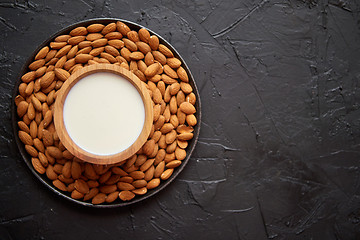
[(104, 113)]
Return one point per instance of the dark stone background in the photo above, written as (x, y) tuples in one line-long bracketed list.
[(278, 154)]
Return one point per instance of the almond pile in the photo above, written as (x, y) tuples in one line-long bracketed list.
[(168, 85)]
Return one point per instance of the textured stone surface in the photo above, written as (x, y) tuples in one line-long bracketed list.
[(278, 155)]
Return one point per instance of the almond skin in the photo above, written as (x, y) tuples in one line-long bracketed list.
[(166, 174), (153, 183)]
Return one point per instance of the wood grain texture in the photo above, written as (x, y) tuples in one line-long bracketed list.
[(59, 120)]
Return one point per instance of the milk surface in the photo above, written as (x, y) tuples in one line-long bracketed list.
[(104, 113)]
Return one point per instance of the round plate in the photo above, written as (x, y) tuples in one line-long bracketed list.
[(43, 178)]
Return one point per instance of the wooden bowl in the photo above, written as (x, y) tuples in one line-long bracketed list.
[(63, 133)]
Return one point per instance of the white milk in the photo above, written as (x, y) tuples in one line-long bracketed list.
[(104, 113)]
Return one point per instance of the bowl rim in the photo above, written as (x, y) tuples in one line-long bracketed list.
[(42, 178)]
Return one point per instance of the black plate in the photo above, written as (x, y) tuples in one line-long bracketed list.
[(43, 178)]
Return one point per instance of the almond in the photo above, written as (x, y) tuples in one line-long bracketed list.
[(126, 195), (133, 36), (36, 103), (123, 186), (99, 43), (22, 126), (118, 171), (166, 174), (173, 105), (112, 50), (147, 165), (28, 77), (37, 165), (47, 79), (149, 174), (85, 44), (116, 43), (39, 145), (148, 147), (57, 45), (143, 47), (159, 169), (50, 173), (122, 28), (125, 53), (170, 137), (99, 198), (108, 188), (47, 118), (191, 120), (96, 27), (171, 147), (79, 31), (144, 35), (159, 57), (94, 36), (31, 111), (187, 108), (31, 150), (66, 170), (152, 70), (130, 45), (42, 53), (112, 197), (140, 191), (60, 185), (167, 79), (83, 58), (109, 28), (136, 55), (159, 156), (139, 183), (63, 51), (54, 152), (153, 183), (90, 172), (154, 42), (166, 128), (170, 72), (36, 64), (126, 179), (75, 194), (75, 170), (173, 164), (91, 194), (137, 175), (185, 136), (81, 186), (149, 59), (25, 138), (113, 35), (108, 57), (157, 97), (182, 74), (61, 74), (159, 123), (173, 62)]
